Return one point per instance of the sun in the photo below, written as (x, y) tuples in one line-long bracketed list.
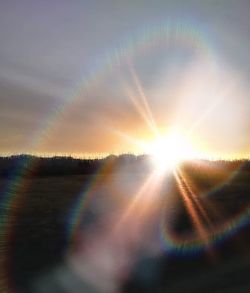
[(167, 152)]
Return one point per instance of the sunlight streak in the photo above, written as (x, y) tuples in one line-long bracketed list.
[(142, 96), (139, 144), (210, 208), (144, 201), (195, 199), (191, 208), (136, 200), (139, 108), (141, 102)]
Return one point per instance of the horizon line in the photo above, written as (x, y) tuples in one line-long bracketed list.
[(100, 156)]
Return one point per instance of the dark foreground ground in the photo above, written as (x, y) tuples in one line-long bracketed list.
[(41, 235)]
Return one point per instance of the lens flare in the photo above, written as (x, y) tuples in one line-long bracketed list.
[(167, 152)]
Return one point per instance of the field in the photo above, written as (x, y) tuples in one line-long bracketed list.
[(58, 222)]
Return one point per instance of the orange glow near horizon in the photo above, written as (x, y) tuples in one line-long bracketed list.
[(187, 119)]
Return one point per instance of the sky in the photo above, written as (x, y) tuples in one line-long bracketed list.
[(91, 78)]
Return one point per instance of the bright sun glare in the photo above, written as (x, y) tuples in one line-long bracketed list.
[(167, 152)]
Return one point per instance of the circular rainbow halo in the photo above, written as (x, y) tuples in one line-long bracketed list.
[(167, 152)]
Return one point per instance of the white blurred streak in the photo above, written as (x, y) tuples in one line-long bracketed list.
[(108, 248)]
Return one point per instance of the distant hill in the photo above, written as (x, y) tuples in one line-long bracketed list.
[(27, 165)]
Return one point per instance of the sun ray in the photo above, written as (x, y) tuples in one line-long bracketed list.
[(202, 231), (143, 98), (136, 142), (144, 201), (140, 109), (195, 200), (136, 200), (143, 102), (210, 209)]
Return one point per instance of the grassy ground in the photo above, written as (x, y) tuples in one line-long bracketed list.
[(40, 235)]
